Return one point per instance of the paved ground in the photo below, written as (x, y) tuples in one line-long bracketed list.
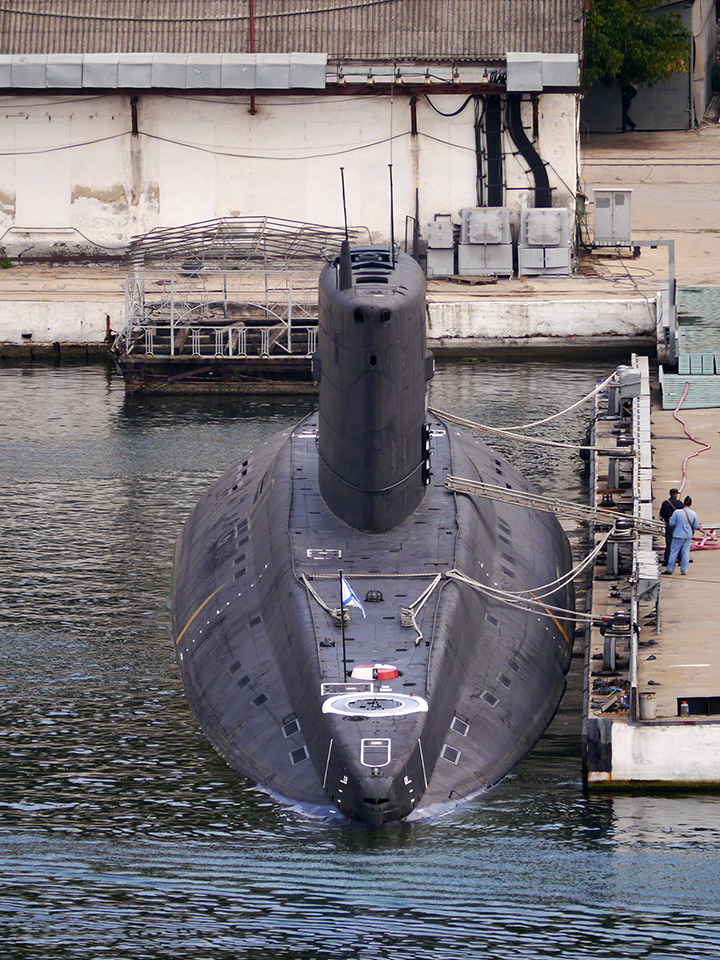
[(675, 179), (687, 661)]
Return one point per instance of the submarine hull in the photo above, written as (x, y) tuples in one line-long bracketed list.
[(261, 654), (441, 680)]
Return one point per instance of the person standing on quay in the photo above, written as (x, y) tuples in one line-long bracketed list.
[(667, 509), (684, 522)]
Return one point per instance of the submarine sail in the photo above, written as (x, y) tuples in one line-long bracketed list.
[(424, 691)]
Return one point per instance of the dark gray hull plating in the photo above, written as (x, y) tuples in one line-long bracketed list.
[(261, 656)]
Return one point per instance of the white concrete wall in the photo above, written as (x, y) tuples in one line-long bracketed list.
[(83, 320), (52, 322), (540, 318), (73, 174), (678, 752)]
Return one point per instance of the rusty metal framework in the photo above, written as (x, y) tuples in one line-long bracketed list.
[(243, 243), (233, 287), (201, 312)]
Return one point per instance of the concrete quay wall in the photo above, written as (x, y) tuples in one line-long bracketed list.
[(524, 318), (460, 324), (45, 322), (678, 753)]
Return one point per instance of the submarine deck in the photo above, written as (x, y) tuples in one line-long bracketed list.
[(404, 561)]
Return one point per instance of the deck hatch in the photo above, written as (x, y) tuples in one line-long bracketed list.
[(290, 727), (375, 705), (450, 753), (297, 756), (375, 752), (460, 726)]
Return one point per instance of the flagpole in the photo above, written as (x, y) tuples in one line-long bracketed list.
[(342, 627)]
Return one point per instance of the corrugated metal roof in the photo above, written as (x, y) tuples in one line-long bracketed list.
[(344, 29)]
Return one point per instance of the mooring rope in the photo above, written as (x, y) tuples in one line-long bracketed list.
[(527, 604), (511, 431), (499, 431), (408, 614), (561, 413)]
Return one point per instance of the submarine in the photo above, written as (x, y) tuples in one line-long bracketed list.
[(351, 634)]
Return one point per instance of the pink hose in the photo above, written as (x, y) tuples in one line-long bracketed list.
[(705, 446)]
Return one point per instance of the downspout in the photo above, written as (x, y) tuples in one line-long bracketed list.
[(251, 12), (543, 193), (494, 163), (415, 155), (136, 173)]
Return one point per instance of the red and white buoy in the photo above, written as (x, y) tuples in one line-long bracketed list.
[(375, 671)]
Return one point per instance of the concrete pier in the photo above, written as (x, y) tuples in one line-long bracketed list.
[(74, 304), (652, 670)]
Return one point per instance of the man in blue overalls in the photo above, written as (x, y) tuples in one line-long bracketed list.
[(683, 522)]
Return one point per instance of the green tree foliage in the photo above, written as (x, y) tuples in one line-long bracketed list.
[(629, 41)]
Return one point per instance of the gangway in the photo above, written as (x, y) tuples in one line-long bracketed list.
[(562, 508)]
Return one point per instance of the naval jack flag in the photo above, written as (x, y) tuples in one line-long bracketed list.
[(349, 597)]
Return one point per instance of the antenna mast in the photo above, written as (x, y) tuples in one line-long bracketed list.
[(392, 218), (345, 261), (342, 180)]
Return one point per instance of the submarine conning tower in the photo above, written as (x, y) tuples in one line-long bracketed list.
[(372, 365)]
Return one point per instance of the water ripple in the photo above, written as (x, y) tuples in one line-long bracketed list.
[(124, 835)]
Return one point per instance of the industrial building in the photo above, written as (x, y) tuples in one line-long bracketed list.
[(164, 113)]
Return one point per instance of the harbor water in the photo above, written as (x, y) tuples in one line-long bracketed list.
[(123, 835)]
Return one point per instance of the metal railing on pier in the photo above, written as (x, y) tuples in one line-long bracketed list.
[(200, 312)]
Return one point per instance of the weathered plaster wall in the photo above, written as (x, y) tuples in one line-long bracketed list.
[(73, 174)]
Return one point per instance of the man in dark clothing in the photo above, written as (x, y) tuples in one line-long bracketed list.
[(628, 93), (667, 509)]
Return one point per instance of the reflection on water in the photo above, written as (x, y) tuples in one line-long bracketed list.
[(123, 835)]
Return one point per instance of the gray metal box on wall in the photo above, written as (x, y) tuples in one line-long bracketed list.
[(524, 72), (65, 70), (544, 242), (441, 232), (485, 246), (441, 246), (612, 221), (560, 70)]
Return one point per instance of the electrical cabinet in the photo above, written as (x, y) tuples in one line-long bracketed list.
[(544, 246), (441, 246), (612, 221), (485, 246)]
